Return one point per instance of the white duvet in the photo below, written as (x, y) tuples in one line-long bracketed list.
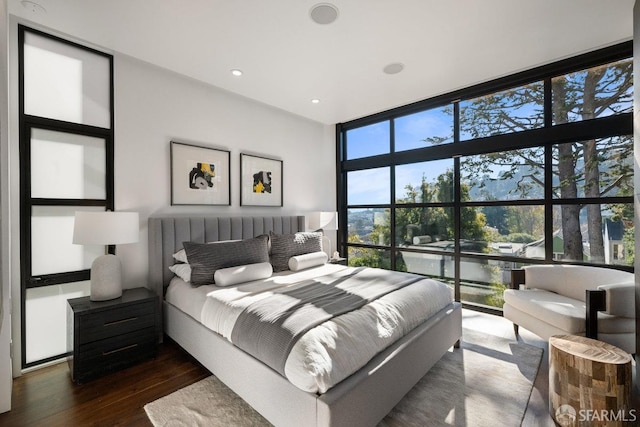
[(333, 350)]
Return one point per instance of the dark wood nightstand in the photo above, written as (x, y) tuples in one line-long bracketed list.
[(340, 261), (106, 336)]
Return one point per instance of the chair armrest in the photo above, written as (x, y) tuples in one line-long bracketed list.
[(620, 299), (517, 278), (596, 301)]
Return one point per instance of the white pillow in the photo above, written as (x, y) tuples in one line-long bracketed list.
[(242, 273), (183, 271), (300, 262)]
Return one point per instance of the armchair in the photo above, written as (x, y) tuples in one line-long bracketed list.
[(577, 300)]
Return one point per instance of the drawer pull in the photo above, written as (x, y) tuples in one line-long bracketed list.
[(106, 353), (117, 322)]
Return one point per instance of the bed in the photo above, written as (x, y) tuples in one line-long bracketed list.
[(361, 399)]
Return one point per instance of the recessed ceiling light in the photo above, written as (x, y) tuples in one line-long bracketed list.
[(393, 68), (315, 101), (236, 72), (323, 13), (32, 6)]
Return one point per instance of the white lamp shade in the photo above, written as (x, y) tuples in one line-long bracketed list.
[(106, 228), (323, 220)]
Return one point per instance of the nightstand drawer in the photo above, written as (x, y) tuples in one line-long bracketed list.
[(118, 321), (111, 354)]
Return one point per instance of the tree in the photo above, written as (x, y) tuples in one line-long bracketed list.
[(581, 169)]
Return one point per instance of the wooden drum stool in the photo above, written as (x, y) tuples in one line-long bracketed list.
[(589, 382)]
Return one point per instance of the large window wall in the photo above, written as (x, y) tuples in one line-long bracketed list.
[(532, 168)]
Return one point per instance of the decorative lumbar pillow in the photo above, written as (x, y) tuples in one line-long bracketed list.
[(242, 273), (285, 246), (182, 270), (181, 255), (300, 262), (206, 259)]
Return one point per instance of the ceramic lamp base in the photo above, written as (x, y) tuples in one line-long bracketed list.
[(106, 278)]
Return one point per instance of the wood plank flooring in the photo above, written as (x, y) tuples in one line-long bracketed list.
[(47, 397)]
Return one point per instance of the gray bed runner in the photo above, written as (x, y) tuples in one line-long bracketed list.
[(269, 328)]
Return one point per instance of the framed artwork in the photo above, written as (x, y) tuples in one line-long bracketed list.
[(260, 181), (199, 175)]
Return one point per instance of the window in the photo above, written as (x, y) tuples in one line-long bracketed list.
[(368, 140), (531, 168), (66, 165), (423, 129)]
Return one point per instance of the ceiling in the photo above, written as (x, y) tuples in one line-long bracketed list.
[(288, 60)]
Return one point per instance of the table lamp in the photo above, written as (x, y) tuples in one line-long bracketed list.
[(327, 221), (106, 228)]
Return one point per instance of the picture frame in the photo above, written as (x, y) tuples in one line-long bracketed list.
[(200, 175), (261, 181)]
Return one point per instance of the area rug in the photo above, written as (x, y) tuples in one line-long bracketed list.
[(487, 382)]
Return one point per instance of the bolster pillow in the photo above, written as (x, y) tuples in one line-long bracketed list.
[(300, 262), (242, 273)]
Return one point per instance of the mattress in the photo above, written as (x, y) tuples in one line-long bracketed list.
[(331, 351)]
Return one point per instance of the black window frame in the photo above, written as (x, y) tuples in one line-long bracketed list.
[(26, 124), (546, 136)]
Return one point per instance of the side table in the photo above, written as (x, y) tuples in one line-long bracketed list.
[(589, 380), (106, 336)]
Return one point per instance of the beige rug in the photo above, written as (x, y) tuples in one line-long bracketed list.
[(487, 382)]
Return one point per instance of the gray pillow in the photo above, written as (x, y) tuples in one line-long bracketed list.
[(285, 246), (206, 259)]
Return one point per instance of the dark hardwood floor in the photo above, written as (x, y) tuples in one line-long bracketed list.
[(47, 397)]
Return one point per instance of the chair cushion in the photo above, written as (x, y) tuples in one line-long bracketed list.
[(563, 312)]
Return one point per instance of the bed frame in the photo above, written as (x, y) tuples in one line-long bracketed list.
[(362, 399)]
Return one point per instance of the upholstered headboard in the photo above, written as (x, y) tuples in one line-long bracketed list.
[(166, 235)]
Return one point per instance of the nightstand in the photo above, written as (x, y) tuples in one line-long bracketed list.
[(106, 336), (340, 261)]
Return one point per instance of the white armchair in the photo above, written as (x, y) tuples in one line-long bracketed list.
[(577, 300)]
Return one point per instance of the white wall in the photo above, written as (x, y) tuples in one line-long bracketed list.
[(154, 106)]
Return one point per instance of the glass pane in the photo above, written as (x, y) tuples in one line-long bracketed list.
[(67, 166), (595, 168), (597, 92), (428, 228), (369, 226), (426, 182), (509, 111), (46, 319), (67, 83), (424, 129), (598, 234), (483, 281), (507, 230), (369, 187), (507, 175), (438, 266), (367, 257), (51, 235), (368, 140)]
